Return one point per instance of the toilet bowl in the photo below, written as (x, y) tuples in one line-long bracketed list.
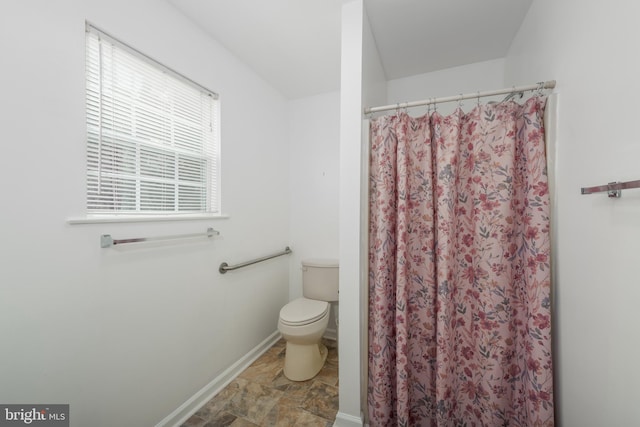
[(303, 321)]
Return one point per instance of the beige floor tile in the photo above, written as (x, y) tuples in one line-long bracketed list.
[(253, 401), (309, 420), (263, 373), (282, 415), (241, 422), (194, 421), (328, 375), (262, 396), (322, 400), (221, 419), (220, 401)]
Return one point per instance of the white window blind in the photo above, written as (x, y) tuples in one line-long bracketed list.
[(152, 135)]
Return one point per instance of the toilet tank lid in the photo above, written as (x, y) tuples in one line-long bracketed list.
[(320, 262)]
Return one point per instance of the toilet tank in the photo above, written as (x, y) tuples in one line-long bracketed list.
[(320, 279)]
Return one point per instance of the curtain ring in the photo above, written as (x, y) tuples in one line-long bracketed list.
[(478, 98), (460, 104), (540, 88), (435, 105)]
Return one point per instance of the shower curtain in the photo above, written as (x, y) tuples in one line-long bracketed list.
[(459, 282)]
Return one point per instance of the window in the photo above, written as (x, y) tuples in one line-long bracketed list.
[(152, 135)]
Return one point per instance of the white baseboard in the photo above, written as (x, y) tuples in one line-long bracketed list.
[(188, 408), (346, 420)]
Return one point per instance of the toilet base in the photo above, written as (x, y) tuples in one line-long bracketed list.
[(303, 361)]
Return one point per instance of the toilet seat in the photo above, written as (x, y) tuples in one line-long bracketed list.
[(303, 311)]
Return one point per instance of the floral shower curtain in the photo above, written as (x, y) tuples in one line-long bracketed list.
[(459, 298)]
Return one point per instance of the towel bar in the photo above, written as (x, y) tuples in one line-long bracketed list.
[(107, 241)]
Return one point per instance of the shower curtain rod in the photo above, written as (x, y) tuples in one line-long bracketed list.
[(538, 86)]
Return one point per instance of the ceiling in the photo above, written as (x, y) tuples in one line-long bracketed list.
[(295, 44)]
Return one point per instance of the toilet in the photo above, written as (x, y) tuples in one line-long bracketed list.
[(303, 321)]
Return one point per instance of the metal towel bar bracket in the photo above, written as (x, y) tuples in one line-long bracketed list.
[(224, 267), (613, 189), (107, 241)]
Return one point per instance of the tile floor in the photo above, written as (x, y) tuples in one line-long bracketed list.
[(262, 396)]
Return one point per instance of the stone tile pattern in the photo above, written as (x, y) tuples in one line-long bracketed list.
[(262, 396)]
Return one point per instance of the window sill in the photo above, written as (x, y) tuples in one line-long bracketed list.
[(100, 219)]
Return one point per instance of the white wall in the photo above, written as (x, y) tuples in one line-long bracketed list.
[(590, 47), (374, 92), (125, 336), (362, 83), (470, 78), (314, 138), (349, 240)]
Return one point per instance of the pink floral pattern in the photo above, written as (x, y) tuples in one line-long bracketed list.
[(459, 298)]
